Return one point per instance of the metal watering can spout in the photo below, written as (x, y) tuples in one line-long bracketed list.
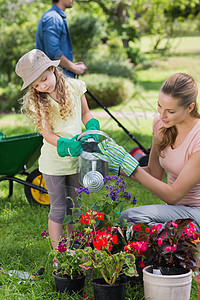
[(92, 170)]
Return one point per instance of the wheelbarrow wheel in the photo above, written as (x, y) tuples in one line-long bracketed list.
[(33, 195)]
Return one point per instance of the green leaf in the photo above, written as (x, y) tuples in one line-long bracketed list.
[(68, 219), (132, 271)]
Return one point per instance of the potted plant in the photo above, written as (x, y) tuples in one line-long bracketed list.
[(88, 223), (171, 252), (108, 259), (96, 221), (68, 274)]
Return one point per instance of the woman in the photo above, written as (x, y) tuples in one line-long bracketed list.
[(175, 149)]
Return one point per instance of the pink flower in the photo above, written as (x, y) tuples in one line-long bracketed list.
[(191, 230), (160, 241), (168, 248), (174, 224), (156, 228), (61, 247), (174, 247)]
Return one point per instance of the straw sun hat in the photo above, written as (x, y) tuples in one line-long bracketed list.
[(32, 64)]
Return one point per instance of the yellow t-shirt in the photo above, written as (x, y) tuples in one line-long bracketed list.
[(50, 162)]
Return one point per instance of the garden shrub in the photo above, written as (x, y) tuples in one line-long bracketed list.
[(108, 89), (112, 67), (9, 98), (85, 31), (135, 55)]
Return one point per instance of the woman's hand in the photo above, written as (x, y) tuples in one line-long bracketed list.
[(117, 155)]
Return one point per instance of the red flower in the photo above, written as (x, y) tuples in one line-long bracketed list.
[(168, 248), (114, 239), (174, 224), (100, 216), (136, 227), (104, 239), (141, 263), (91, 215), (136, 247), (147, 230)]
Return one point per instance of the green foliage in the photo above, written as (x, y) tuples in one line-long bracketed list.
[(135, 55), (116, 50), (112, 67), (161, 17), (109, 90), (9, 98), (85, 32), (15, 41), (68, 261), (110, 265)]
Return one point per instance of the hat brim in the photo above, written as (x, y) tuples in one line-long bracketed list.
[(35, 75)]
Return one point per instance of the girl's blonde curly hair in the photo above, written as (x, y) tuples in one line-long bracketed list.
[(37, 106)]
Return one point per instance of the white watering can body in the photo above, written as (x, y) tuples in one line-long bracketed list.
[(92, 169)]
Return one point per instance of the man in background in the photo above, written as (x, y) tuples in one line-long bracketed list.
[(53, 38)]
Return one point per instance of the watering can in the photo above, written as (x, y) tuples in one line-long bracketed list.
[(92, 170)]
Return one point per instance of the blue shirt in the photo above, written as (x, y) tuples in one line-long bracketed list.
[(52, 36)]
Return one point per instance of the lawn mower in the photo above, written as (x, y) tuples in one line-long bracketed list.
[(140, 152)]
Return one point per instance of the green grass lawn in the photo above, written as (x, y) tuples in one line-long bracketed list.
[(21, 224), (21, 246)]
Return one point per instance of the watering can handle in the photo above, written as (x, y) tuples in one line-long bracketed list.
[(92, 132)]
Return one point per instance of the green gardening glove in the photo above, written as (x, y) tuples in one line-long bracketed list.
[(115, 154), (69, 147), (93, 124)]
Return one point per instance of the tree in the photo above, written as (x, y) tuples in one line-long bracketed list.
[(118, 16)]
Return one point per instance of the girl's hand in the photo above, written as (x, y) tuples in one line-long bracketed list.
[(69, 147)]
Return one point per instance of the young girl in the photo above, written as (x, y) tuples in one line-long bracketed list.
[(175, 149), (57, 105)]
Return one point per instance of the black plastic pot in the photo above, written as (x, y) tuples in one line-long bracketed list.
[(104, 291), (69, 286), (134, 280), (173, 271)]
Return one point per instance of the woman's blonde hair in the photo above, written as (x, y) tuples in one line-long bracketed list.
[(37, 106), (184, 88)]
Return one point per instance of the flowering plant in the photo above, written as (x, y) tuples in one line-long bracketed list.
[(96, 230), (110, 201), (172, 245), (103, 255), (67, 261)]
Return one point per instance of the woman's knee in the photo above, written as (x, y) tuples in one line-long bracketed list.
[(139, 214), (128, 214)]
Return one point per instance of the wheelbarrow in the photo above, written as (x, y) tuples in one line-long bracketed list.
[(17, 155)]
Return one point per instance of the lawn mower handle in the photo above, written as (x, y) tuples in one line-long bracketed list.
[(119, 124)]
